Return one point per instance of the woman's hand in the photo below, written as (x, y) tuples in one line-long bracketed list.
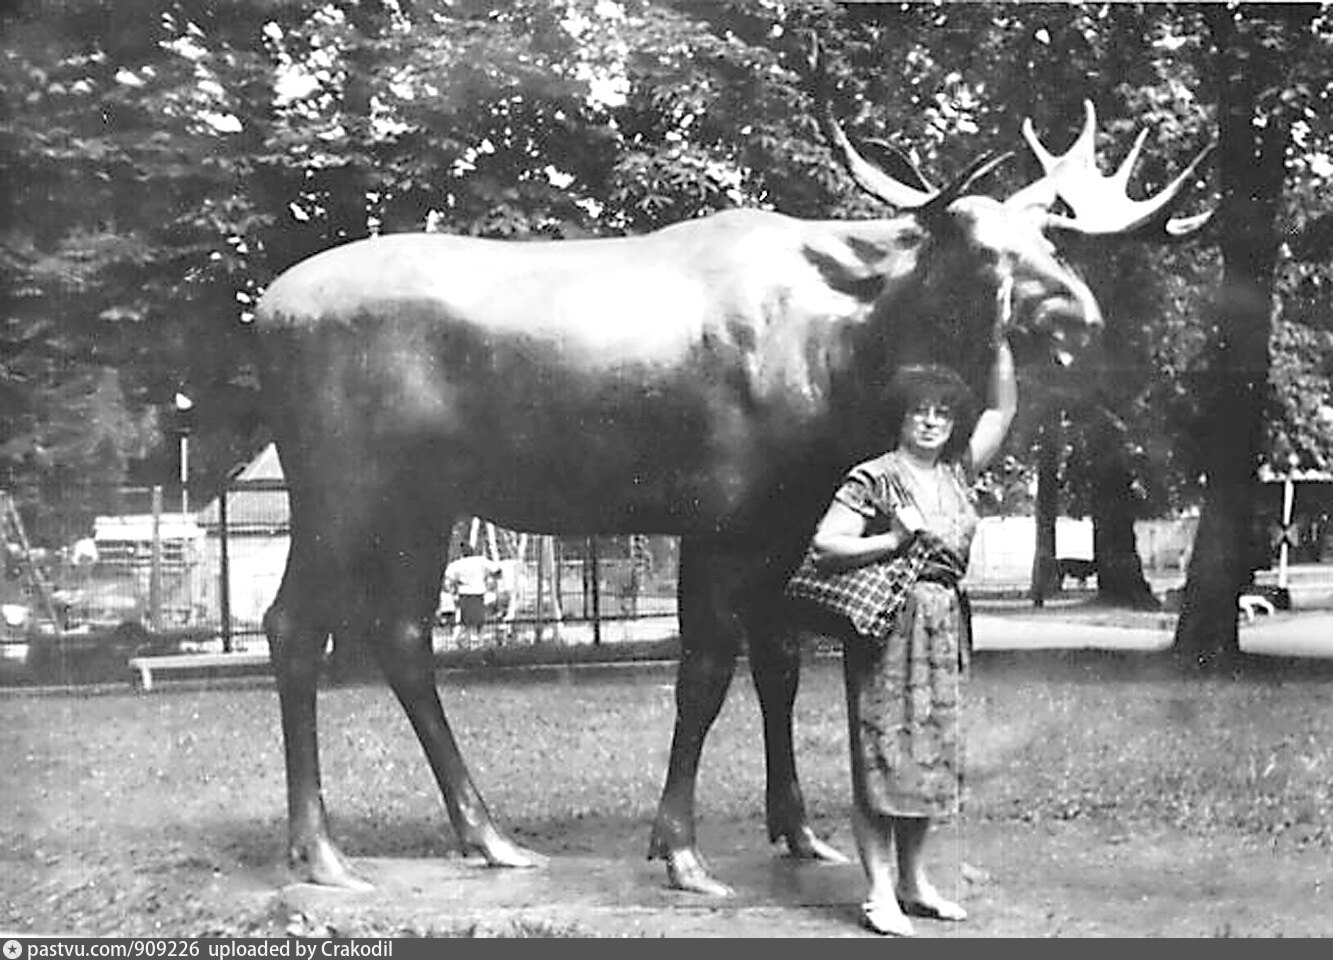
[(910, 520), (1004, 311), (932, 539)]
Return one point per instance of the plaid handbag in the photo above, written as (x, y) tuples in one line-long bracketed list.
[(870, 596)]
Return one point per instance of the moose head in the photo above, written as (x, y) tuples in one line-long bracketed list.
[(983, 260)]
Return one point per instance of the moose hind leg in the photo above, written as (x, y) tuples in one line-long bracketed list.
[(775, 665), (296, 639), (710, 640), (402, 616)]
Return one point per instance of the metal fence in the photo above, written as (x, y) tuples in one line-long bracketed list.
[(119, 569), (205, 577)]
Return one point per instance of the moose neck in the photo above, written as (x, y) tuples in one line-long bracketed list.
[(941, 311)]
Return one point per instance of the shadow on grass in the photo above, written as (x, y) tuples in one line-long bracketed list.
[(258, 848)]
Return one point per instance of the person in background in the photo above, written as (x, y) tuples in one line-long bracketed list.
[(469, 579)]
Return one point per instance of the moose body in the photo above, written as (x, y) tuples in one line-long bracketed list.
[(652, 384), (710, 380)]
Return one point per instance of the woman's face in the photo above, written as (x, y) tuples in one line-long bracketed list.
[(927, 427)]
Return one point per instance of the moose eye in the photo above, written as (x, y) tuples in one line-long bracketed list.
[(910, 238)]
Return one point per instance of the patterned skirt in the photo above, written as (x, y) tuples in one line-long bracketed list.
[(903, 708)]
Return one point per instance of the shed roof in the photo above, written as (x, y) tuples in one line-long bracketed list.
[(257, 502)]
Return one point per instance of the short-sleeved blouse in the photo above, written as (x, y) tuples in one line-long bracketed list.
[(878, 488)]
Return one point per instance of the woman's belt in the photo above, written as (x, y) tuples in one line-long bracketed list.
[(938, 574)]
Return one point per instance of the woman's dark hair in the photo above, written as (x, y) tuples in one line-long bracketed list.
[(934, 383)]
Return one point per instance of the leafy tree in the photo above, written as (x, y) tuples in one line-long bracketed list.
[(162, 164), (94, 174), (1257, 48)]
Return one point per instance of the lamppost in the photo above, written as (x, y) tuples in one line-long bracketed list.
[(183, 407), (1288, 500)]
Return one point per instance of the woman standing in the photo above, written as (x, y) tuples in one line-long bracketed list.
[(889, 553)]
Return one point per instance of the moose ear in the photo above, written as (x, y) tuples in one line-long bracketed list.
[(894, 162), (858, 266)]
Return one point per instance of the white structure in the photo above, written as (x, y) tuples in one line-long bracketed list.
[(124, 543), (257, 527), (1004, 547)]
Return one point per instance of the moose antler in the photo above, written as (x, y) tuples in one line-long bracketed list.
[(869, 177), (1101, 204), (918, 194)]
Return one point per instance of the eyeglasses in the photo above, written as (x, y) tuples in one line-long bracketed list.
[(928, 411)]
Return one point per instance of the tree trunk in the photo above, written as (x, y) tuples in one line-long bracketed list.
[(1120, 579), (1251, 162), (1045, 568)]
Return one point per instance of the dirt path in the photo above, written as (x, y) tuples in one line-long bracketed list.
[(1063, 880)]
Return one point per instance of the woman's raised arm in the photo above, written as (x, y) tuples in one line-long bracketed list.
[(1001, 405)]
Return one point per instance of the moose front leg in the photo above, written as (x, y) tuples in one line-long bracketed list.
[(775, 667), (702, 680), (710, 639)]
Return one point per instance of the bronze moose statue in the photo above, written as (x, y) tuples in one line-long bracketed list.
[(710, 380)]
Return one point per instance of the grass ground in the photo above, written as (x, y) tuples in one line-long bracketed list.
[(165, 814)]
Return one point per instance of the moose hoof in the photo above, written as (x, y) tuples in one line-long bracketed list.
[(499, 852), (686, 871), (805, 845), (323, 864)]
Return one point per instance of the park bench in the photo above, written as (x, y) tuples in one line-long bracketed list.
[(1262, 598), (145, 667), (1253, 604)]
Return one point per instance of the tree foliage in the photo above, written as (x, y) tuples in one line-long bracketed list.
[(165, 159)]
